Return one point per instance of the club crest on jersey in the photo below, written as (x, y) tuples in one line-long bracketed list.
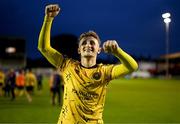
[(96, 75)]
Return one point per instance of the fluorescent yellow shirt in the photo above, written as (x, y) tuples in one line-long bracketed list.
[(30, 79), (2, 77), (84, 92), (84, 89)]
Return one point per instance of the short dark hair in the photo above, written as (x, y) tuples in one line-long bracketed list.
[(90, 34)]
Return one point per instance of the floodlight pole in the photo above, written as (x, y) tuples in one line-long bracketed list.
[(167, 20), (167, 50)]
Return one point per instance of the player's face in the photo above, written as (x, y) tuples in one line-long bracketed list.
[(88, 47)]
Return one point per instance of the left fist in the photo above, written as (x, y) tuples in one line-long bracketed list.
[(110, 46)]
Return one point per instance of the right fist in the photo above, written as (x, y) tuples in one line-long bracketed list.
[(52, 10)]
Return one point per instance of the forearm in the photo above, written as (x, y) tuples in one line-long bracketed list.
[(44, 37), (126, 60), (52, 55), (128, 64)]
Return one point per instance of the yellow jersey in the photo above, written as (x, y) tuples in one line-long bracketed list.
[(30, 79), (84, 88), (84, 92), (2, 77)]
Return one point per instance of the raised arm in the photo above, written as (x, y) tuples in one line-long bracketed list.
[(44, 46), (128, 64)]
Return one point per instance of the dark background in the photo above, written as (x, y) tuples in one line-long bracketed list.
[(137, 25)]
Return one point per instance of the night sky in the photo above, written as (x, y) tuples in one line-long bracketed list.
[(137, 25)]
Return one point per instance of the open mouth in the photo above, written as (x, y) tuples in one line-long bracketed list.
[(88, 50)]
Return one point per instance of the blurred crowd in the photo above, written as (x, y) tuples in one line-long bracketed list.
[(16, 83)]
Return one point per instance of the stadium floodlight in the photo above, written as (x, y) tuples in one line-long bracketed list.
[(10, 50), (167, 20), (166, 15)]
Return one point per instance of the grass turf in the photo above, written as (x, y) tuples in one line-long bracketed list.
[(127, 101)]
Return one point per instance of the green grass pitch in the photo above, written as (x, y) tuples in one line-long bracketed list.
[(127, 101)]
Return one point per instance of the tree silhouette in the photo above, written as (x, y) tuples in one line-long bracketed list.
[(67, 44)]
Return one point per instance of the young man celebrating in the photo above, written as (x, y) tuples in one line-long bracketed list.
[(85, 82)]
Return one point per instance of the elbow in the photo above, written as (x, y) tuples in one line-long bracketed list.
[(41, 44), (133, 68), (42, 49), (39, 48)]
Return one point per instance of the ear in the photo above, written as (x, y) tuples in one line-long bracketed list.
[(99, 50), (79, 52)]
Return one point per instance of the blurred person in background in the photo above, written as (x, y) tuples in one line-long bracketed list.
[(7, 86), (2, 81), (11, 81), (20, 82), (85, 82), (39, 81), (30, 82), (55, 87)]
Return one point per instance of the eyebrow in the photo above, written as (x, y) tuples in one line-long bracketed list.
[(85, 39), (92, 41)]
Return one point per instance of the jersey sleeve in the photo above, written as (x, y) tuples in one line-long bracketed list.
[(51, 54), (126, 66), (107, 72)]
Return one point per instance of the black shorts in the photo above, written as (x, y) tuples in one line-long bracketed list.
[(20, 87), (55, 89), (29, 88), (51, 89)]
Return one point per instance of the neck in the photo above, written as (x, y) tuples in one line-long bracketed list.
[(88, 61)]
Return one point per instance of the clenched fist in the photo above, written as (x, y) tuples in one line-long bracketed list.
[(52, 10), (110, 46)]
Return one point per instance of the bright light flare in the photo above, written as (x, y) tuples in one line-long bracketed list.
[(10, 50), (167, 20), (166, 15)]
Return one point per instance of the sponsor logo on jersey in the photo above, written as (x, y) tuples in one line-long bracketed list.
[(96, 75)]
